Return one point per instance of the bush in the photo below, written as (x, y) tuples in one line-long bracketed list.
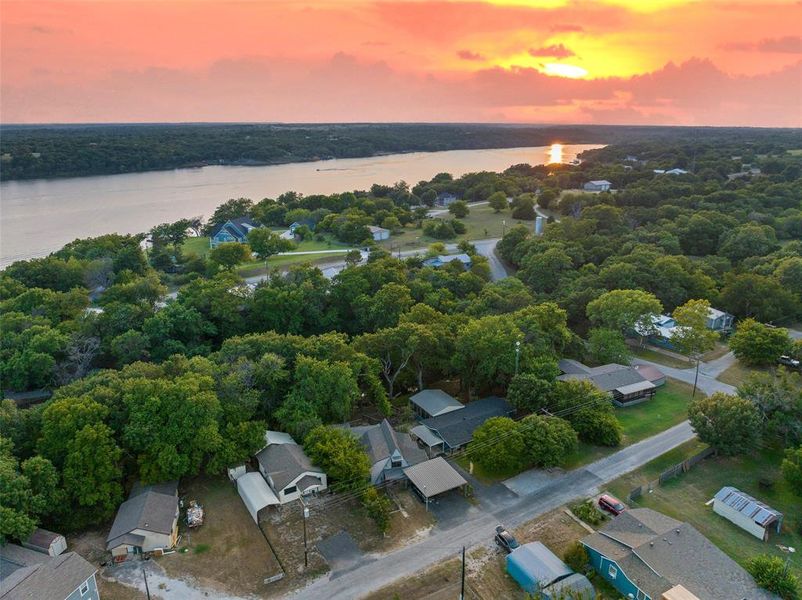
[(588, 512), (770, 573), (576, 557), (441, 230), (378, 508), (459, 209), (458, 227)]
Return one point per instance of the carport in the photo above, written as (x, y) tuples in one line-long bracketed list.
[(434, 477), (255, 493)]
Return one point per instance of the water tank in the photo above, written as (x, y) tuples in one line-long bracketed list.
[(540, 223)]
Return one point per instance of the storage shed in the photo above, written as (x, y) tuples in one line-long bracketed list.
[(255, 493), (535, 567), (433, 403), (747, 512), (46, 541)]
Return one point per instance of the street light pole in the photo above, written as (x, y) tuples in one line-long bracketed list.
[(517, 354), (462, 590)]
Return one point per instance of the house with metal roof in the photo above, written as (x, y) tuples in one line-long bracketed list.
[(597, 185), (378, 233), (146, 522), (647, 555), (539, 571), (626, 385), (255, 493), (233, 230), (26, 574), (390, 451), (453, 430), (434, 477), (433, 403), (289, 472), (746, 512)]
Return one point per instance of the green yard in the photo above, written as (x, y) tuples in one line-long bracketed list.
[(668, 408), (660, 358), (738, 373), (684, 498)]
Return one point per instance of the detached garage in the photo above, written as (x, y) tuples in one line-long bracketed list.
[(538, 570), (255, 493)]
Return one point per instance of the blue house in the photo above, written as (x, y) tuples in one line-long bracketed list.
[(233, 230), (438, 261), (25, 573), (646, 555)]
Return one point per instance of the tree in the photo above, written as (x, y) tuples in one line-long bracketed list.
[(758, 296), (771, 573), (546, 197), (485, 351), (172, 426), (624, 310), (230, 209), (748, 240), (62, 419), (730, 424), (92, 475), (692, 337), (340, 454), (530, 391), (229, 254), (576, 557), (378, 508), (523, 207), (298, 416), (588, 409), (548, 440), (330, 387), (792, 469), (498, 445), (757, 344), (778, 399), (266, 243), (129, 347), (608, 346), (498, 201), (459, 209)]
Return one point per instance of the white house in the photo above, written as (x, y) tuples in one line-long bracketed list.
[(288, 471), (379, 233), (597, 185), (146, 522), (747, 513)]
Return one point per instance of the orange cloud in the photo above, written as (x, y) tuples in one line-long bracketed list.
[(666, 61)]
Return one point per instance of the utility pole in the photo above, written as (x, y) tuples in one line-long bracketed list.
[(462, 590), (306, 548), (696, 377), (145, 575)]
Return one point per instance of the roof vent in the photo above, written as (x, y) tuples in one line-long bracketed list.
[(651, 544), (640, 524), (676, 531)]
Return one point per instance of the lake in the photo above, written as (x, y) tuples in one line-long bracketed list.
[(40, 216)]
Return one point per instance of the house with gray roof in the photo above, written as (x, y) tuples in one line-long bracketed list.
[(647, 555), (433, 403), (453, 430), (444, 259), (26, 574), (626, 385), (233, 230), (146, 522), (747, 512), (390, 451), (289, 472)]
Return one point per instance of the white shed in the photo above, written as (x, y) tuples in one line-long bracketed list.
[(255, 493), (46, 541), (746, 512)]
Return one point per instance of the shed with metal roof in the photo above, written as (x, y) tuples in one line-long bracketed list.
[(535, 567), (255, 493), (746, 512), (432, 403)]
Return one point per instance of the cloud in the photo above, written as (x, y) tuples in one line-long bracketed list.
[(553, 51), (790, 44), (469, 55), (566, 28)]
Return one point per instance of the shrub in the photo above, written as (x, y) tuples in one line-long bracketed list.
[(576, 557), (377, 507), (588, 512), (770, 573)]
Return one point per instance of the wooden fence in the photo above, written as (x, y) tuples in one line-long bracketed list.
[(671, 472)]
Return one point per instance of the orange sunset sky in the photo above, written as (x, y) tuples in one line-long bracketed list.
[(714, 62)]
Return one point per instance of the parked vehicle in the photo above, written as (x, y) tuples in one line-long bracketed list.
[(788, 361), (505, 540), (611, 504)]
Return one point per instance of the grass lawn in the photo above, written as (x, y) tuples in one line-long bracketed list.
[(720, 350), (684, 498), (668, 408), (481, 223), (738, 373), (659, 357), (196, 245)]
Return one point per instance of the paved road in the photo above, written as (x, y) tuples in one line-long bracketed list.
[(707, 381), (478, 525)]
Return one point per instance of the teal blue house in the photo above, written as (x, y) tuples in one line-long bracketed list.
[(233, 230), (646, 555)]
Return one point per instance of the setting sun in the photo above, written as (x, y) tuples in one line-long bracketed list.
[(561, 70)]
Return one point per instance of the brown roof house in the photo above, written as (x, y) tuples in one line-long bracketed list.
[(146, 522)]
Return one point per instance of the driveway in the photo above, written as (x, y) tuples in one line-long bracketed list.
[(707, 383), (477, 526)]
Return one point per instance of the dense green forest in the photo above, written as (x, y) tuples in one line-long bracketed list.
[(149, 387), (30, 152)]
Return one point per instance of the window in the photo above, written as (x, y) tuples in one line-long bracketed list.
[(290, 490), (641, 595), (612, 571), (397, 463), (84, 588)]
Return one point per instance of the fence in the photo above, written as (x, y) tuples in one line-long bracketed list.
[(671, 472)]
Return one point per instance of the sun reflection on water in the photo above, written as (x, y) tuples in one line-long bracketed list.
[(556, 153)]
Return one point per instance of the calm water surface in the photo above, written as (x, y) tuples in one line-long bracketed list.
[(40, 216)]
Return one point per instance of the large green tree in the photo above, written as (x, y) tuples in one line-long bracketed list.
[(730, 424), (548, 440), (498, 445), (340, 454), (624, 310), (757, 344)]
